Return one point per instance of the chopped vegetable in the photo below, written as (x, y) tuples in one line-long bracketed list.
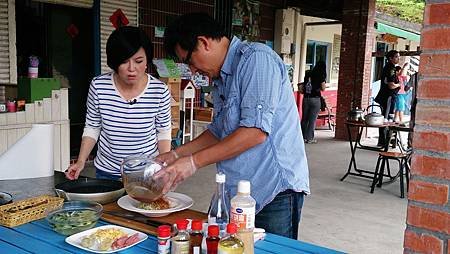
[(71, 222)]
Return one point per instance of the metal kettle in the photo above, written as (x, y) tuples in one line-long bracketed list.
[(355, 114), (374, 118)]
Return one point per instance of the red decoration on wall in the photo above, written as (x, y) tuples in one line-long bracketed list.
[(118, 19), (72, 30)]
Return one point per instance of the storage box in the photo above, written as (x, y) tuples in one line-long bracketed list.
[(203, 114), (174, 87), (34, 89)]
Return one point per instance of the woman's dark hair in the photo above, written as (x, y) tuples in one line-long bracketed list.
[(185, 30), (398, 68), (391, 54), (124, 42), (320, 66), (320, 70)]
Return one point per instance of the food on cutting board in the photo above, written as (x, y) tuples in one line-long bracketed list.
[(108, 239), (159, 204), (70, 222)]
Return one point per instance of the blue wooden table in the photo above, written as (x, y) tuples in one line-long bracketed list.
[(38, 237)]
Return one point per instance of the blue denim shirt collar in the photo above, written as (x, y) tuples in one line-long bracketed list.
[(227, 67)]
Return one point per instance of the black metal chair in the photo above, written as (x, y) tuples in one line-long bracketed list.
[(403, 159)]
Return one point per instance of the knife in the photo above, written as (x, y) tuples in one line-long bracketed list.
[(136, 217)]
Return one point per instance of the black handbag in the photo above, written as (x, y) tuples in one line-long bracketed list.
[(323, 103)]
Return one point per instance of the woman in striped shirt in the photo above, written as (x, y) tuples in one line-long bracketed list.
[(128, 110)]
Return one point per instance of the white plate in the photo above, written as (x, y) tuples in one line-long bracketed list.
[(177, 202), (75, 239)]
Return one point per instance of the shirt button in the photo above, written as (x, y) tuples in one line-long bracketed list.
[(259, 106)]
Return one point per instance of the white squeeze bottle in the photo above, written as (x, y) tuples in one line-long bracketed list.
[(243, 215)]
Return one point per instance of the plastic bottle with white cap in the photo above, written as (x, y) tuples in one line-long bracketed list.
[(243, 215)]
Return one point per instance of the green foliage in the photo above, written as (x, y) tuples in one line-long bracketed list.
[(409, 10)]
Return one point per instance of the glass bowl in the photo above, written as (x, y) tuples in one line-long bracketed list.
[(138, 178), (75, 216)]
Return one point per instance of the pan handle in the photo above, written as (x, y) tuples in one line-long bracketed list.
[(62, 194)]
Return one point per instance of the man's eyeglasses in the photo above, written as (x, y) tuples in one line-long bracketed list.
[(187, 60)]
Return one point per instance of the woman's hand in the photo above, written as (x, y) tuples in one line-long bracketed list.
[(74, 170), (301, 87), (167, 158)]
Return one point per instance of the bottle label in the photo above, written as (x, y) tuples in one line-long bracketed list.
[(244, 218), (180, 247), (196, 250), (163, 246)]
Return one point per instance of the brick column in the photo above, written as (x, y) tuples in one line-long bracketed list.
[(428, 218), (355, 59)]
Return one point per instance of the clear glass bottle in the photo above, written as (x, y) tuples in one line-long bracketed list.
[(218, 212), (231, 244), (180, 242), (196, 237), (164, 239), (212, 241), (243, 215)]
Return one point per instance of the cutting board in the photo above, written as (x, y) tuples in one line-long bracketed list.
[(138, 221)]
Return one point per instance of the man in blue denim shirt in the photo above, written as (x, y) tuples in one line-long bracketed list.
[(255, 134)]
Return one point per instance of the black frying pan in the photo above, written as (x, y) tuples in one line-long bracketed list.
[(102, 191)]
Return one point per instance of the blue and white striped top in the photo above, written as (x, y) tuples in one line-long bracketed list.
[(125, 128)]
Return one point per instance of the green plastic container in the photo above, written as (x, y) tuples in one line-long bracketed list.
[(35, 89)]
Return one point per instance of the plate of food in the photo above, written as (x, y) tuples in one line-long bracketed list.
[(171, 202), (106, 239)]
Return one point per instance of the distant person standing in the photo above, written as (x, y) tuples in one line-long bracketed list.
[(313, 84), (400, 102), (388, 91)]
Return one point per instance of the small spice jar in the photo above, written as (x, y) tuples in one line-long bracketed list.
[(164, 239)]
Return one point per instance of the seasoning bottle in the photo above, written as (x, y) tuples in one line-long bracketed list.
[(231, 244), (243, 215), (180, 242), (196, 237), (218, 212), (212, 241), (164, 239)]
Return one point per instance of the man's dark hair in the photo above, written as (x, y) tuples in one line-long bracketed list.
[(124, 42), (391, 54), (185, 30)]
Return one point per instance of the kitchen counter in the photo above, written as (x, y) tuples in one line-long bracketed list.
[(27, 188), (32, 187)]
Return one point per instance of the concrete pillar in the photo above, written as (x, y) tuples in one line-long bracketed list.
[(355, 59)]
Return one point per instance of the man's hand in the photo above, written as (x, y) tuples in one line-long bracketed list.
[(178, 171), (393, 85), (74, 170), (167, 158)]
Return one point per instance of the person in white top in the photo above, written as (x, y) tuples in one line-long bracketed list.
[(128, 111)]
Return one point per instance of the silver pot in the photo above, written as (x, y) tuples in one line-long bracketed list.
[(355, 115), (102, 191), (374, 119)]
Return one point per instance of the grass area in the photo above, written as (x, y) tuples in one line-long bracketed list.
[(409, 10)]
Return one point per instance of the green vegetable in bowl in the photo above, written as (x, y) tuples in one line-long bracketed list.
[(74, 221)]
